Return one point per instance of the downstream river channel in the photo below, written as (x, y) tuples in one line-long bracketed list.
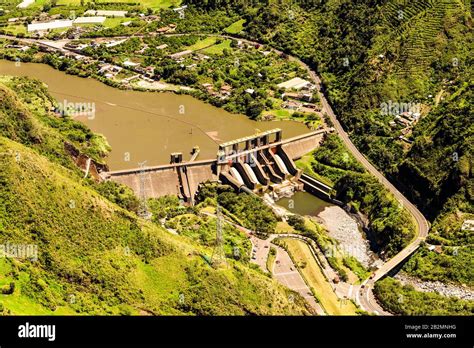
[(148, 126), (339, 224)]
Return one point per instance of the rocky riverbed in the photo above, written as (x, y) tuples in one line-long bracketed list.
[(449, 290), (343, 228)]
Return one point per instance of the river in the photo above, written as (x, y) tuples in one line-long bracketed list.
[(148, 126), (339, 224)]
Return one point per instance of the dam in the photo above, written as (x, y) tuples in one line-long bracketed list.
[(259, 163)]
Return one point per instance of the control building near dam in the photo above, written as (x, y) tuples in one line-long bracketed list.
[(260, 163)]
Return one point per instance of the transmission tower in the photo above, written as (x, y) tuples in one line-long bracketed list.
[(143, 208), (218, 255)]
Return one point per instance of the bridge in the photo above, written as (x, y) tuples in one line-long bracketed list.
[(257, 163)]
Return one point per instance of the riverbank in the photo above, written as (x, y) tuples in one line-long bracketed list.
[(445, 289)]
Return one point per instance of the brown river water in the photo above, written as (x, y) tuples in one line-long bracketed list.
[(148, 126)]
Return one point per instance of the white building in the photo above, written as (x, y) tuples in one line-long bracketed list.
[(114, 43), (90, 20), (295, 83), (106, 13), (49, 25), (130, 64)]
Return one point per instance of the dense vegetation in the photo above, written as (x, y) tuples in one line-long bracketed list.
[(92, 256), (404, 300), (250, 211), (453, 264)]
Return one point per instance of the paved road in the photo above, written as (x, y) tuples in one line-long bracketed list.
[(367, 299)]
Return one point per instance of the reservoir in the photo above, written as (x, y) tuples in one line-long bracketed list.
[(148, 126)]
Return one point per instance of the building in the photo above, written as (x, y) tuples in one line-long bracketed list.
[(49, 25), (182, 54), (19, 47), (402, 121), (106, 13), (208, 86), (299, 96), (90, 20), (296, 83), (130, 64), (226, 88), (114, 43), (292, 105), (180, 9)]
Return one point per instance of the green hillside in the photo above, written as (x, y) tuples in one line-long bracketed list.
[(94, 257)]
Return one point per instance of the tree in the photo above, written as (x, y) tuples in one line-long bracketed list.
[(255, 109)]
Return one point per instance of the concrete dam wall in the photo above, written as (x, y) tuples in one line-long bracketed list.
[(264, 164)]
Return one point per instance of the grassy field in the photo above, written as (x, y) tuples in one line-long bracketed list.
[(271, 259), (305, 163), (313, 275), (16, 29), (236, 27), (201, 44), (113, 22), (219, 48), (284, 227)]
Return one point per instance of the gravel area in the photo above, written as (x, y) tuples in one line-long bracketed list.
[(449, 290), (342, 227)]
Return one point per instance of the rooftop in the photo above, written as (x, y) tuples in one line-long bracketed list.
[(295, 83), (106, 13), (90, 20), (50, 25)]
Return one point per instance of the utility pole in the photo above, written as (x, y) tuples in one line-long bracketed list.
[(218, 255), (143, 208)]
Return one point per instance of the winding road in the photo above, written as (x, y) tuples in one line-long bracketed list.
[(367, 300), (364, 295)]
